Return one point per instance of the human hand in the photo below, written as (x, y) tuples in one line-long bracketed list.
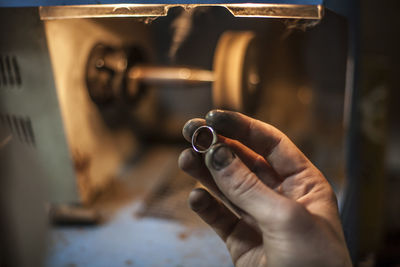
[(289, 213)]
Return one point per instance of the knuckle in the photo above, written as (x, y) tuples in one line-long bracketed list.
[(243, 184), (331, 195), (327, 191), (258, 164)]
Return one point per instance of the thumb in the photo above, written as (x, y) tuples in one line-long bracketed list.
[(241, 186)]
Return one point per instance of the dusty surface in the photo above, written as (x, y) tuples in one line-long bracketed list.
[(148, 223), (155, 180)]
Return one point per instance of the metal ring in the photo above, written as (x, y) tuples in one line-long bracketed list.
[(196, 134)]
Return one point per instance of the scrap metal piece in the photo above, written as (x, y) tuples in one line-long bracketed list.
[(73, 215)]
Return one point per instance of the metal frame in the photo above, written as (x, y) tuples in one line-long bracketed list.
[(156, 10), (27, 3)]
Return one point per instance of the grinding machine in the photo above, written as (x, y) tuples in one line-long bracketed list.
[(86, 86)]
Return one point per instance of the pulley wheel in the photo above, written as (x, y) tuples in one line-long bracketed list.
[(237, 72)]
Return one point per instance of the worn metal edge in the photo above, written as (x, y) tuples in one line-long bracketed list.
[(156, 10)]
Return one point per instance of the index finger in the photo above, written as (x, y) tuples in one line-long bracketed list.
[(284, 157)]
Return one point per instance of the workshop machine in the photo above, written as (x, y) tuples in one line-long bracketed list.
[(85, 85)]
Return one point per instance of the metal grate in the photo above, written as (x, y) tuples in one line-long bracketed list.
[(19, 126), (10, 75)]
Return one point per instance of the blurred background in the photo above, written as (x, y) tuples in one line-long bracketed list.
[(93, 99)]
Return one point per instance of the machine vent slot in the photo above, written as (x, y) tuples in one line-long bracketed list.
[(10, 74), (20, 127)]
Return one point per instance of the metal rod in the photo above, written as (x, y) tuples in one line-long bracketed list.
[(163, 75)]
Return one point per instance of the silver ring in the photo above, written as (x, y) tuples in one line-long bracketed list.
[(196, 133)]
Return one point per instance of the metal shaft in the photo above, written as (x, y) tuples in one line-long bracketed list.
[(170, 75)]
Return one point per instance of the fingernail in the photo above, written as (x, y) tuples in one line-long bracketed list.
[(221, 157)]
